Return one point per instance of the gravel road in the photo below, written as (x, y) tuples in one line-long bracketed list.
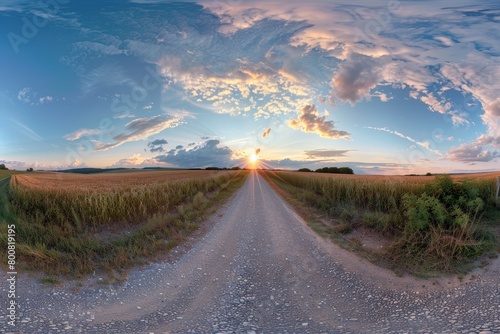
[(261, 270)]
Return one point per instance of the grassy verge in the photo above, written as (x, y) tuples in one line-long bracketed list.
[(74, 234), (429, 228), (5, 173)]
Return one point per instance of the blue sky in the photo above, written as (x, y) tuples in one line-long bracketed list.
[(384, 87)]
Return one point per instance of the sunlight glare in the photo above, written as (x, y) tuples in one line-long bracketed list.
[(253, 158)]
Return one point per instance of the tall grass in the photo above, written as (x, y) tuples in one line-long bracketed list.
[(97, 207), (433, 225), (76, 232)]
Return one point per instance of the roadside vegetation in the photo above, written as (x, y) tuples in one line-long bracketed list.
[(432, 225), (70, 224)]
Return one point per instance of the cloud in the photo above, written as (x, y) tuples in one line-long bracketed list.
[(358, 167), (82, 133), (87, 46), (207, 154), (382, 96), (322, 153), (266, 133), (77, 164), (27, 95), (136, 161), (476, 151), (45, 99), (310, 121), (424, 144), (142, 128), (157, 145), (494, 108), (24, 95), (434, 103), (158, 142), (22, 165), (471, 153), (459, 118), (356, 77)]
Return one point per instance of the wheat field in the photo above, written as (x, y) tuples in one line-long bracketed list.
[(96, 199), (106, 181), (74, 224)]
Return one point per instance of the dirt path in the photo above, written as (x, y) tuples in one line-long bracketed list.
[(261, 270)]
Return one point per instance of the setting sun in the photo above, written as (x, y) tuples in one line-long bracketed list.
[(253, 158)]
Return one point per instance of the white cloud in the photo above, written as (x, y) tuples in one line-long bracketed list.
[(24, 95), (142, 128), (459, 118), (476, 151), (382, 96), (324, 153), (82, 133), (45, 99), (434, 103), (310, 121), (445, 40), (136, 161)]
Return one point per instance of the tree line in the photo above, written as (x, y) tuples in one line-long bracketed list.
[(332, 170)]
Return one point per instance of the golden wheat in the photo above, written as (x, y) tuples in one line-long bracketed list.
[(103, 198)]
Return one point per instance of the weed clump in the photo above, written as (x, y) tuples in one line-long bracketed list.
[(440, 224)]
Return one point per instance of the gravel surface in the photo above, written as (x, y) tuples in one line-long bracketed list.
[(261, 270)]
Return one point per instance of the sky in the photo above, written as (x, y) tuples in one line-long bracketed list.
[(383, 87)]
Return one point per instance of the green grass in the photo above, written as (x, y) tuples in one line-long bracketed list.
[(7, 173), (436, 226), (73, 233)]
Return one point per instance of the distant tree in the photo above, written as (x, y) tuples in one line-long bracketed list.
[(305, 170), (212, 168), (428, 174), (335, 170), (29, 169), (345, 170), (235, 168), (2, 166)]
